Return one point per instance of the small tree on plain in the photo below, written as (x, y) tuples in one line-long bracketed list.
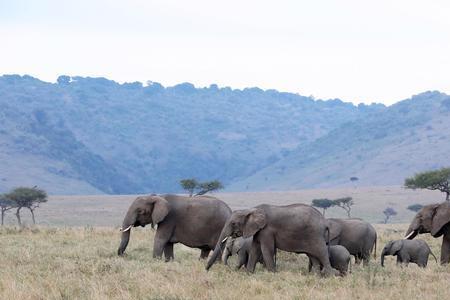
[(200, 188), (209, 186), (189, 185), (324, 204), (24, 197), (431, 180), (388, 213), (415, 207), (5, 205), (345, 203), (354, 180)]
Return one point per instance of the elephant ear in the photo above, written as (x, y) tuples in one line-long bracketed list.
[(160, 209), (396, 246), (256, 220), (440, 218)]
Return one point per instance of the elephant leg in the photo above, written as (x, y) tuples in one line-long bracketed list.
[(205, 253), (399, 260), (357, 259), (253, 256), (168, 252), (366, 259), (321, 254), (243, 258), (162, 237), (268, 253), (445, 249), (314, 264), (226, 254)]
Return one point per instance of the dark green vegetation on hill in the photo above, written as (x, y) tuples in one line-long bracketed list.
[(93, 135), (90, 135)]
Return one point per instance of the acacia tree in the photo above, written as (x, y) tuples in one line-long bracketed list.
[(415, 207), (354, 180), (345, 203), (431, 180), (192, 186), (5, 205), (24, 197), (324, 204), (209, 186), (388, 213), (189, 185)]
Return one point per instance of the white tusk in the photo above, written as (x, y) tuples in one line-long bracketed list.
[(406, 237), (223, 241), (126, 229)]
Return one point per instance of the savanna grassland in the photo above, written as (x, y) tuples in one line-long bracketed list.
[(71, 254), (81, 263)]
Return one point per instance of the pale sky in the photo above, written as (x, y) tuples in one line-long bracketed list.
[(355, 50)]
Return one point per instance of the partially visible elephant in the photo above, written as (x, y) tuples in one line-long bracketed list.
[(241, 247), (415, 251), (433, 219), (193, 221), (356, 235), (294, 228), (340, 259)]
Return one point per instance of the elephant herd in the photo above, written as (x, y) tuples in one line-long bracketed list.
[(256, 234)]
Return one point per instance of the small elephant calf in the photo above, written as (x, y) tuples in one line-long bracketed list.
[(415, 251), (240, 246), (340, 259)]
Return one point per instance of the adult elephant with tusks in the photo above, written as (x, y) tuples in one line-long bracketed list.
[(193, 221), (433, 219), (294, 228)]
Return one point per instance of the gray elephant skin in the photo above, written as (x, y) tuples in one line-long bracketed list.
[(415, 251), (241, 247), (193, 221), (340, 259), (294, 228), (356, 235), (433, 219)]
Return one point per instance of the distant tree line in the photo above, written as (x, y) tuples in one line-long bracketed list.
[(22, 198)]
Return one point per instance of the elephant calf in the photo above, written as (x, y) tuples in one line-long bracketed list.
[(415, 251), (241, 247), (340, 259)]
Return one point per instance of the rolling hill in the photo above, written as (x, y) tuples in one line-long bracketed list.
[(93, 135), (379, 149)]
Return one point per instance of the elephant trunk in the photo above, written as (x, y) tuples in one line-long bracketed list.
[(128, 223), (382, 257), (224, 235), (124, 242)]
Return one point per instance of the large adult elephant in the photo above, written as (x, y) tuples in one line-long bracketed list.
[(295, 228), (193, 221), (358, 236), (433, 219)]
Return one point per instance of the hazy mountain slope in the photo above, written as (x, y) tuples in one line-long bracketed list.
[(84, 135), (408, 137)]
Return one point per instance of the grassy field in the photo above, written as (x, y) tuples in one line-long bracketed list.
[(81, 263), (71, 254), (109, 210)]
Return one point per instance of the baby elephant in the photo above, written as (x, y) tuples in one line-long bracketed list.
[(238, 246), (340, 259), (415, 251)]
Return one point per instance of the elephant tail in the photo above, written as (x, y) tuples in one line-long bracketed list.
[(431, 252), (375, 247), (327, 238)]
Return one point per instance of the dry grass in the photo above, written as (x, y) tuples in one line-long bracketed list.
[(81, 263)]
